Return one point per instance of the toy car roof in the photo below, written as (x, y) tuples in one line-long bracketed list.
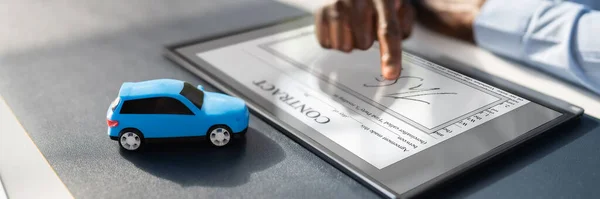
[(150, 88)]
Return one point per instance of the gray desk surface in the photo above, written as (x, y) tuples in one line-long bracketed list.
[(61, 63)]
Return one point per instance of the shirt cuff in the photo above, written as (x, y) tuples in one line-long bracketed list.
[(501, 25)]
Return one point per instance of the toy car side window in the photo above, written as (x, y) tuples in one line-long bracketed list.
[(167, 105), (139, 106)]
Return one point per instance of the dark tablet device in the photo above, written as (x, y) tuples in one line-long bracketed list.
[(398, 137)]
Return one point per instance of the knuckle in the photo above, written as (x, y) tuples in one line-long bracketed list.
[(344, 49), (365, 45), (338, 11), (322, 16), (339, 4), (357, 3), (347, 48), (389, 30), (350, 4), (333, 14)]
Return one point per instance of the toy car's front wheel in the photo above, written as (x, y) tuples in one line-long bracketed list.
[(131, 140), (219, 135)]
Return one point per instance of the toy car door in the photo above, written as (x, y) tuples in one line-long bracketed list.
[(176, 118)]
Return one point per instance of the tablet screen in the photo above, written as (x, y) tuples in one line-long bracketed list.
[(344, 97), (401, 132)]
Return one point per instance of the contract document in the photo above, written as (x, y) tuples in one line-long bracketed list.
[(343, 96)]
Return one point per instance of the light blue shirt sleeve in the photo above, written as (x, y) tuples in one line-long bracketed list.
[(554, 36)]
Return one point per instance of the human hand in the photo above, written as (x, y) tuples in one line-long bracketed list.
[(454, 18), (355, 24)]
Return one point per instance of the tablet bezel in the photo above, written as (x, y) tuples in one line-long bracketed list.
[(568, 111)]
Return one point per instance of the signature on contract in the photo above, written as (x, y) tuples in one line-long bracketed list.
[(412, 92)]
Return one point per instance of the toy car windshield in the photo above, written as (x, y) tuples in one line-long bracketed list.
[(196, 96)]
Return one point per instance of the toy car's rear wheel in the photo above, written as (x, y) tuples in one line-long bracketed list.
[(131, 140), (219, 136)]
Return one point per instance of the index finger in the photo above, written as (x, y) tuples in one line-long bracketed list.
[(390, 37)]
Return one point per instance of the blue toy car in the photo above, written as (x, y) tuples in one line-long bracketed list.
[(167, 108)]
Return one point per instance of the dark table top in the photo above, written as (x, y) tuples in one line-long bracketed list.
[(61, 64)]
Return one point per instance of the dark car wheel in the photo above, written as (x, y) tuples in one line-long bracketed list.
[(131, 140), (219, 136)]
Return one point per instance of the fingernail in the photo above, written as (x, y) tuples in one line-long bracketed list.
[(390, 72)]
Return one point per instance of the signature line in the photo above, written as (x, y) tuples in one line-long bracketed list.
[(417, 95)]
